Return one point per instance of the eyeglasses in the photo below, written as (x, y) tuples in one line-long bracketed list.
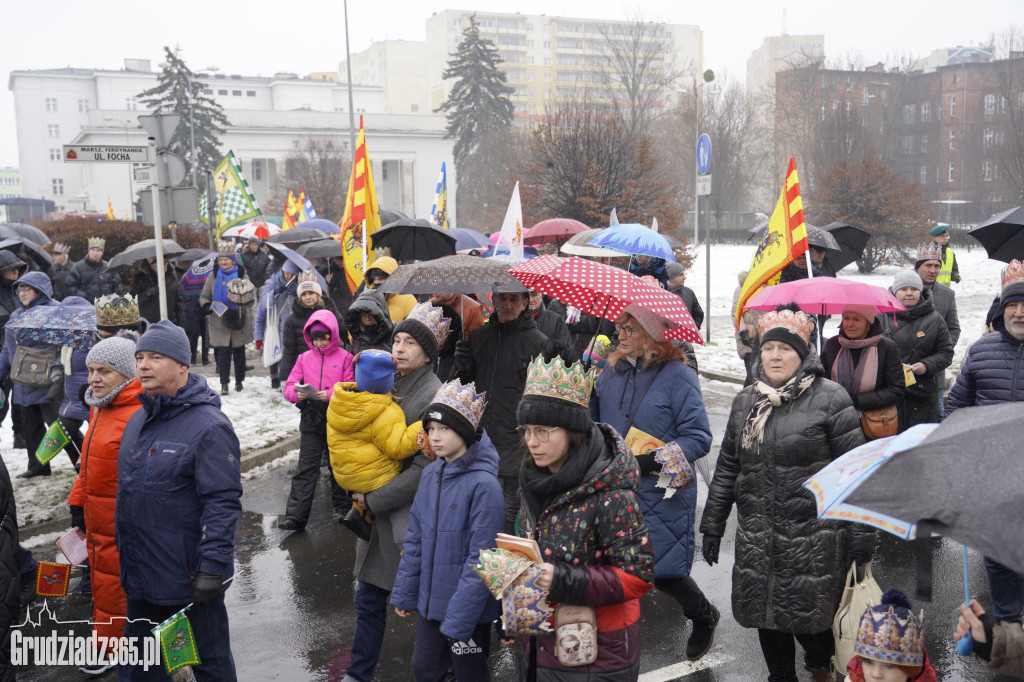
[(24, 288), (541, 433), (629, 331)]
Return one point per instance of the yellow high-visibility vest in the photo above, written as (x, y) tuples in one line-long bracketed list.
[(946, 271)]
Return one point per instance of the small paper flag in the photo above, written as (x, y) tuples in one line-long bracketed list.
[(53, 442), (177, 645), (52, 579)]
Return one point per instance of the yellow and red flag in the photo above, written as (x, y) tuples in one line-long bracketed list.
[(362, 216), (110, 209), (291, 212), (784, 241)]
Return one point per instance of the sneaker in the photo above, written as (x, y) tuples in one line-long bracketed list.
[(702, 636), (96, 669), (290, 524), (225, 389)]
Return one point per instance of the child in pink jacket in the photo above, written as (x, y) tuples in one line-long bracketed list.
[(310, 386)]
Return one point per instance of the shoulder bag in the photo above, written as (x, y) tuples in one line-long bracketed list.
[(31, 366), (880, 423), (575, 635)]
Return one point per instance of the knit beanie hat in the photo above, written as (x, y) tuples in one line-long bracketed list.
[(865, 311), (557, 394), (167, 338), (308, 282), (596, 354), (116, 352), (375, 371), (1012, 281), (319, 330), (290, 267), (673, 269), (788, 325), (907, 278), (891, 633), (459, 407), (427, 324)]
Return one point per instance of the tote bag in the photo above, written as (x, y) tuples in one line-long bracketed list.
[(857, 598)]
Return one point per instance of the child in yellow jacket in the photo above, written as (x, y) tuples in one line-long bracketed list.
[(366, 432)]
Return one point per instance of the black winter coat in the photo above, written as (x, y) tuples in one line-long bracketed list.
[(10, 578), (146, 289), (944, 300), (256, 264), (370, 301), (790, 565), (553, 326), (58, 277), (92, 280), (992, 372), (921, 336), (690, 299), (889, 384), (293, 343)]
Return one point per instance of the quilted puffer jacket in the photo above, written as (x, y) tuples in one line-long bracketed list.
[(10, 578), (790, 565), (367, 437), (993, 371)]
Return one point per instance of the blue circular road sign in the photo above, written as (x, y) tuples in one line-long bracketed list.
[(703, 154)]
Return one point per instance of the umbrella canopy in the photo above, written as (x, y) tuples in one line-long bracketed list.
[(851, 240), (634, 239), (552, 230), (191, 255), (604, 291), (963, 479), (257, 228), (466, 238), (297, 235), (195, 277), (35, 251), (577, 246), (500, 251), (142, 250), (321, 248), (387, 217), (454, 274), (283, 252), (816, 236), (23, 231), (60, 325), (322, 224), (1002, 235), (414, 239), (825, 296)]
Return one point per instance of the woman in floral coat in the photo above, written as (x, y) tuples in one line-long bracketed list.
[(579, 503)]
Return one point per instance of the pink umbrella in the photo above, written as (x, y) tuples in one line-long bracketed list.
[(604, 291), (494, 237), (552, 230), (825, 296)]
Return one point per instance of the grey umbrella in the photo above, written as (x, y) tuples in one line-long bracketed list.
[(298, 235), (23, 231), (452, 275), (321, 248), (33, 250), (815, 236), (142, 250)]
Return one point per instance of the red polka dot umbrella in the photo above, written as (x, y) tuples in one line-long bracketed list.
[(604, 291)]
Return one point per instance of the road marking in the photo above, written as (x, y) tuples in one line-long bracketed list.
[(683, 669)]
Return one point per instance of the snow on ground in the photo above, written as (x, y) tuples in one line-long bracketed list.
[(973, 297)]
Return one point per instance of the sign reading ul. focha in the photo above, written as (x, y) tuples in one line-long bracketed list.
[(106, 153)]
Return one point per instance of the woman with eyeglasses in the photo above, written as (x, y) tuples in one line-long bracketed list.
[(648, 387), (578, 501)]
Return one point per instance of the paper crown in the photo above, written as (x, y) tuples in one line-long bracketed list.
[(598, 354), (652, 281), (929, 251), (555, 379), (890, 637), (431, 317), (115, 310), (226, 248), (464, 399), (61, 247), (512, 578), (790, 320), (1012, 274), (97, 243)]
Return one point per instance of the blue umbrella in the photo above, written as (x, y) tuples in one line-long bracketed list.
[(59, 325), (325, 226), (634, 239), (299, 261), (528, 252), (466, 238)]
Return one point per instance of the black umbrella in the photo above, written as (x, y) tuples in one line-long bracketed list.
[(816, 236), (35, 251), (962, 479), (191, 255), (852, 241), (298, 235), (142, 250), (414, 239), (387, 217), (1002, 235), (23, 231), (321, 248), (454, 275)]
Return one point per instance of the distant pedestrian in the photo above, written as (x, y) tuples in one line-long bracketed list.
[(231, 321), (949, 271), (89, 278), (58, 272)]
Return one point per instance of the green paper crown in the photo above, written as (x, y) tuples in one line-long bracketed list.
[(558, 380), (114, 310)]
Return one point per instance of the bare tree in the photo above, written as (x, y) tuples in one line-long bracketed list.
[(491, 171), (322, 168)]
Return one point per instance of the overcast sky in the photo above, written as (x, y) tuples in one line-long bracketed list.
[(261, 38)]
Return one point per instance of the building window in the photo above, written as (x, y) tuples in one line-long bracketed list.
[(57, 185), (529, 77), (529, 94), (864, 96), (986, 171), (236, 93), (952, 107), (990, 105), (849, 110), (547, 78), (924, 175), (924, 144), (529, 60), (529, 26), (250, 93), (835, 108), (207, 91), (909, 113), (51, 104), (384, 170), (83, 105), (849, 83), (547, 44), (131, 103), (53, 130), (952, 139), (955, 78), (458, 23), (222, 92), (54, 155), (926, 112), (414, 107), (823, 110), (547, 94), (824, 82), (951, 171), (547, 61), (987, 137), (257, 169)]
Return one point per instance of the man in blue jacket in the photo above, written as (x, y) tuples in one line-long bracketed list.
[(178, 501)]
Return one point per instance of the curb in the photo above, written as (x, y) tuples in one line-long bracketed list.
[(721, 376), (249, 461)]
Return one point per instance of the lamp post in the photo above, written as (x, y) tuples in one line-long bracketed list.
[(126, 126), (698, 93)]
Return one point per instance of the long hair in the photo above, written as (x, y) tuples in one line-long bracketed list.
[(655, 352)]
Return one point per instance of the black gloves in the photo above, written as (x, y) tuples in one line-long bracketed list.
[(56, 390), (463, 356), (858, 558), (77, 517), (206, 589), (710, 549), (206, 308)]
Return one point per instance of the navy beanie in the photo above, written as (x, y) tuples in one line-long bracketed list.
[(375, 371), (166, 338)]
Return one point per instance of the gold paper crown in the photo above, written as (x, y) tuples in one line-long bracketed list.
[(97, 243), (226, 248), (1012, 274), (885, 636), (61, 247), (114, 310), (463, 399), (929, 251), (558, 380), (431, 317), (794, 321)]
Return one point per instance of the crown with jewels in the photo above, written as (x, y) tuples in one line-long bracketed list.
[(555, 379), (431, 317), (929, 251), (791, 320), (97, 243), (115, 310), (61, 247), (226, 248), (464, 399), (1012, 274), (890, 637)]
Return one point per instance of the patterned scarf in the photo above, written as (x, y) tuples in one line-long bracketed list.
[(770, 398)]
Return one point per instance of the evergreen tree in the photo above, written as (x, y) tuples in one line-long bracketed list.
[(478, 103), (178, 92)]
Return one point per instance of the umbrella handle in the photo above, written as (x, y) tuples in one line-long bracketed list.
[(965, 647)]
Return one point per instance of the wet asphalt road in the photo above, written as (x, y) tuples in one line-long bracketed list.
[(292, 618)]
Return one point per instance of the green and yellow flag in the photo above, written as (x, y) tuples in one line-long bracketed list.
[(235, 202), (177, 644), (53, 442)]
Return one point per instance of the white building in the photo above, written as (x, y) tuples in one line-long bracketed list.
[(268, 115), (398, 66)]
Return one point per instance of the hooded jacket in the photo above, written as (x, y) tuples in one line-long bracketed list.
[(178, 495), (278, 295), (992, 372), (889, 382), (76, 371), (321, 368), (458, 510), (370, 301), (594, 533), (294, 340), (92, 280), (399, 305), (790, 565), (95, 490), (22, 394)]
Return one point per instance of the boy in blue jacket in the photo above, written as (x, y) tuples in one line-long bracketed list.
[(444, 540)]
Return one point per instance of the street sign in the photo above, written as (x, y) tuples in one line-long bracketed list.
[(170, 169), (106, 153), (143, 176), (703, 154), (703, 185), (180, 205), (161, 127)]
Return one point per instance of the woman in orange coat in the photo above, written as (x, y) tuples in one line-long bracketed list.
[(112, 396)]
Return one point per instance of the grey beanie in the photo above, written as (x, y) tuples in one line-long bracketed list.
[(907, 278), (116, 352), (167, 338)]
